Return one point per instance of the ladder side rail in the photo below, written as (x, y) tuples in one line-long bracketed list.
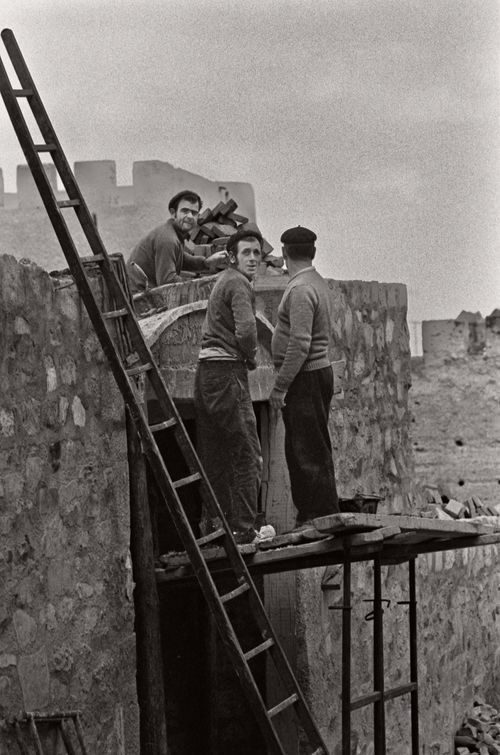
[(97, 246), (226, 630), (168, 492)]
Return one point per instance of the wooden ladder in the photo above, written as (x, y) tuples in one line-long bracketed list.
[(131, 360)]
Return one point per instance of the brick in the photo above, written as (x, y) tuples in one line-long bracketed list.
[(442, 515), (455, 509)]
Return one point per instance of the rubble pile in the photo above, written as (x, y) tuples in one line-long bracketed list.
[(439, 506), (480, 731), (216, 225)]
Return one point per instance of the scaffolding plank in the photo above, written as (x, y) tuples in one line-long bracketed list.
[(335, 523)]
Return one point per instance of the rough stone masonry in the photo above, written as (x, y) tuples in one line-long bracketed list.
[(66, 616)]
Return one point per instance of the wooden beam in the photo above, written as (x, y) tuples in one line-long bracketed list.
[(150, 689)]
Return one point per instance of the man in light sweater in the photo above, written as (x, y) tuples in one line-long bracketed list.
[(303, 387), (228, 444)]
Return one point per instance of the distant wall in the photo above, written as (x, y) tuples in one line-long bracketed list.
[(469, 334), (454, 400), (124, 213), (66, 613)]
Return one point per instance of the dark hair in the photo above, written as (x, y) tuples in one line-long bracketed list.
[(300, 251), (241, 234), (189, 196)]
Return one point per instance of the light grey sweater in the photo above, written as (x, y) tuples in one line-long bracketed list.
[(302, 334)]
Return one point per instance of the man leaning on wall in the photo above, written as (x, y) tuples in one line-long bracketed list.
[(228, 443), (303, 387), (161, 255)]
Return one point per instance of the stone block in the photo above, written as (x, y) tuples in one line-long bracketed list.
[(33, 674), (455, 509), (25, 627)]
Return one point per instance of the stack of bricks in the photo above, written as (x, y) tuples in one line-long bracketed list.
[(441, 507), (216, 225), (480, 731)]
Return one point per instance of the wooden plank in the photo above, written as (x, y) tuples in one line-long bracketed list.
[(354, 521), (150, 687), (375, 536), (217, 553)]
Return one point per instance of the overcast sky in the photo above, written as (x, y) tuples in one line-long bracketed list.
[(373, 122)]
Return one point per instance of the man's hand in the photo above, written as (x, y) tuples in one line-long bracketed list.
[(277, 400), (217, 260)]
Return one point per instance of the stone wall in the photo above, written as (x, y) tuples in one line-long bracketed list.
[(66, 613), (66, 624), (459, 624)]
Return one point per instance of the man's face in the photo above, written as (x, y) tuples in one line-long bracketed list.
[(185, 216), (248, 257)]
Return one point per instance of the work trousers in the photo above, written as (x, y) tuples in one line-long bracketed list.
[(227, 440), (308, 448)]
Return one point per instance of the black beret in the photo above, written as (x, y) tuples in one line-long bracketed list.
[(298, 236), (243, 232), (172, 205)]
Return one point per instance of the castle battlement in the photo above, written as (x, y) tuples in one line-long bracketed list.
[(153, 183), (470, 334)]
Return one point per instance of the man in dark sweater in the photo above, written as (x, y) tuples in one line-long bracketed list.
[(303, 387), (228, 444), (161, 255)]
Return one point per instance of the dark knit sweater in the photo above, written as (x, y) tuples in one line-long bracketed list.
[(161, 255), (230, 320), (302, 334)]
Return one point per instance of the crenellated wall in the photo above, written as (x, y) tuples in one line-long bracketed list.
[(124, 213), (66, 612)]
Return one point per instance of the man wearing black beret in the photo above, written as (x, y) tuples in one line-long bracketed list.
[(161, 255), (303, 387), (228, 443)]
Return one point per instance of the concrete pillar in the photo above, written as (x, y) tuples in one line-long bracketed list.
[(97, 181), (27, 192), (2, 192)]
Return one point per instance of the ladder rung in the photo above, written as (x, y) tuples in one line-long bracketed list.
[(115, 313), (259, 649), (163, 425), (139, 369), (45, 148), (23, 92), (187, 480), (211, 537), (62, 203), (283, 705), (91, 258), (234, 594)]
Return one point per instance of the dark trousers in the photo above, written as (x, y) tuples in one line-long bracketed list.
[(228, 444), (308, 448)]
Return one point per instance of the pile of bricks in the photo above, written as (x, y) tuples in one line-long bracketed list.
[(216, 225), (480, 731), (439, 506)]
